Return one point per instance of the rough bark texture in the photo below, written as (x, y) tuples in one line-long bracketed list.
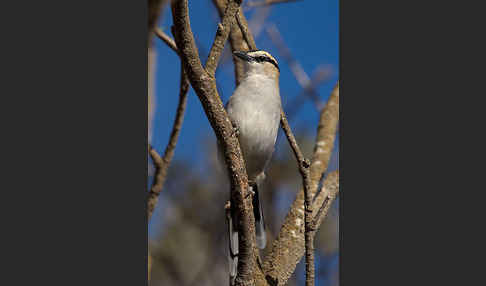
[(204, 85)]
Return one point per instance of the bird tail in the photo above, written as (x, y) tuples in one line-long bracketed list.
[(261, 236), (233, 246)]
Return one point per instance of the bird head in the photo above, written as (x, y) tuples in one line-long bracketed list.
[(259, 62)]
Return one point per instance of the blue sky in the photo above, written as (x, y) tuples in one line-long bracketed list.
[(309, 28)]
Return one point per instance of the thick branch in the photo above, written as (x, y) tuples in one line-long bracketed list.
[(204, 85), (288, 248), (162, 164)]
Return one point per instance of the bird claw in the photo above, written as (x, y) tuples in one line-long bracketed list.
[(236, 129), (250, 189), (306, 163), (250, 193)]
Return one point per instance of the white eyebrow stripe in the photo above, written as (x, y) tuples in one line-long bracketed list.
[(268, 58)]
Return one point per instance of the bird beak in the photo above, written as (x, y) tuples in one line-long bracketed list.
[(243, 55)]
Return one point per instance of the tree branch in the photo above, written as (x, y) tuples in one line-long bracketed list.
[(308, 230), (236, 39), (288, 248), (221, 36), (325, 198), (167, 39), (326, 133), (243, 24), (203, 82), (162, 164)]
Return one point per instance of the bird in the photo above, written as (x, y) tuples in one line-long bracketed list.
[(254, 110)]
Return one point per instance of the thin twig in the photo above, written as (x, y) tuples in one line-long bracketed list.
[(304, 172), (330, 192), (243, 24), (162, 163), (167, 39), (157, 184)]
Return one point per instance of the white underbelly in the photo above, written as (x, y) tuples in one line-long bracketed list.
[(257, 135)]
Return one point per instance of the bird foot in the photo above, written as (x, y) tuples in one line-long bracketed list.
[(250, 189), (236, 129)]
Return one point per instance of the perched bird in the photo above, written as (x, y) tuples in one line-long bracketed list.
[(254, 110)]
